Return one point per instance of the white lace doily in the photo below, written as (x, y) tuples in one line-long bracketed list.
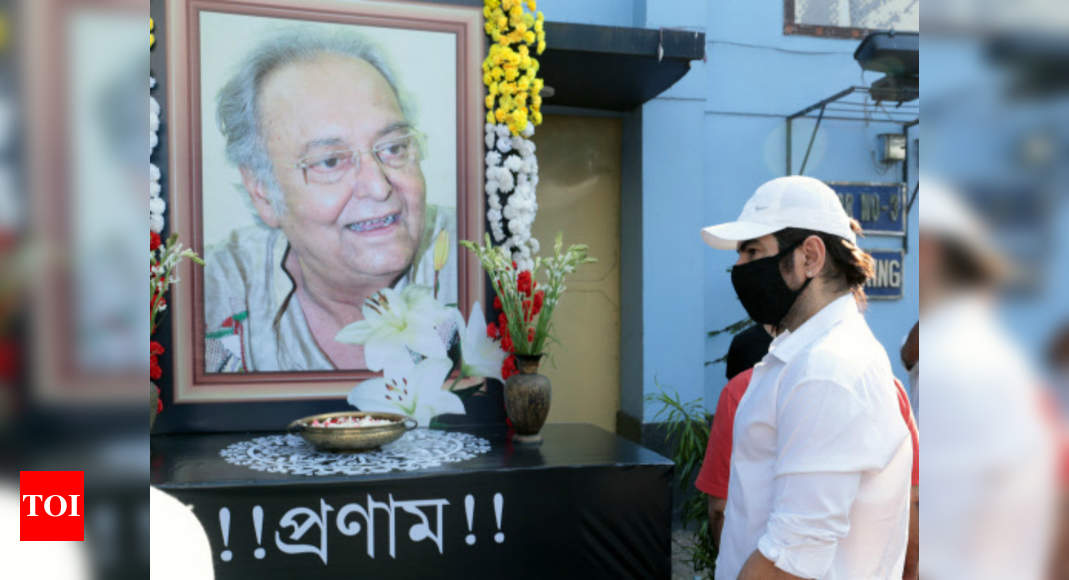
[(417, 449)]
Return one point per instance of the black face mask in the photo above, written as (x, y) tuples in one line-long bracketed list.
[(761, 288)]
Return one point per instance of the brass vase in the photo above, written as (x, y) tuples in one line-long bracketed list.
[(527, 397)]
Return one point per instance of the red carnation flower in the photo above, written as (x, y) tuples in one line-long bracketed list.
[(502, 322), (492, 331), (497, 303), (530, 335), (523, 282), (154, 241), (155, 348), (508, 368), (539, 299), (506, 342), (154, 370)]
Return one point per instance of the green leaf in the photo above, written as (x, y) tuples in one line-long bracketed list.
[(733, 328)]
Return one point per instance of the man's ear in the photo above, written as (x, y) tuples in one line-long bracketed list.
[(261, 198), (815, 255)]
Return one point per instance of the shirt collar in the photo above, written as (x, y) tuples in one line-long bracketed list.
[(788, 344), (282, 285)]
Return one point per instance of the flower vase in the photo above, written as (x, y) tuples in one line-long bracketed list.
[(527, 397)]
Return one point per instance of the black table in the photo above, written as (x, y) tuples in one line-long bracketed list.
[(585, 503)]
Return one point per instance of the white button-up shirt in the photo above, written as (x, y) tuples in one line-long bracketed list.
[(990, 470), (821, 461)]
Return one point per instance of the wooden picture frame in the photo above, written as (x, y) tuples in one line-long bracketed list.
[(184, 173), (791, 25)]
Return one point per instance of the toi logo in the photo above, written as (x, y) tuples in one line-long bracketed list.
[(51, 506)]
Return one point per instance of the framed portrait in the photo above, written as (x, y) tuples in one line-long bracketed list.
[(320, 152), (77, 143)]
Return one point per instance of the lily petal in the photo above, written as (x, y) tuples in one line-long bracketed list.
[(481, 355), (427, 378), (389, 356), (425, 341), (370, 396)]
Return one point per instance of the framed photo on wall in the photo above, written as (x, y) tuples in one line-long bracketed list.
[(849, 18), (319, 152)]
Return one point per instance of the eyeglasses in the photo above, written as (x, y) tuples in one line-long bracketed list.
[(327, 167)]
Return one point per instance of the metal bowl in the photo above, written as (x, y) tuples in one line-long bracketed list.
[(352, 438)]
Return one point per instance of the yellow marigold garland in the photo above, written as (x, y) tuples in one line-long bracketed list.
[(510, 71)]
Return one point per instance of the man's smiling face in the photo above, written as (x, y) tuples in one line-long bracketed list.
[(370, 221)]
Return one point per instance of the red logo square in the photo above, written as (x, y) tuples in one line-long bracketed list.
[(52, 506)]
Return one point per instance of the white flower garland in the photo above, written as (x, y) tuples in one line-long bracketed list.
[(156, 204), (512, 176)]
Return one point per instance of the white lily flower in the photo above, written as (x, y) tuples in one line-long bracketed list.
[(421, 302), (418, 394), (397, 322), (480, 356)]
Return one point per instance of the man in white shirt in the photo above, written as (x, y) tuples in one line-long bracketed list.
[(990, 460), (820, 468)]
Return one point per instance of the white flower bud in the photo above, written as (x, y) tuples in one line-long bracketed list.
[(514, 163)]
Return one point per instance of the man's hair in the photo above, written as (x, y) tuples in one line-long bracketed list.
[(238, 106), (845, 262), (964, 267)]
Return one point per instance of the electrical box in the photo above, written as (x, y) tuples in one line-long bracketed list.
[(892, 147)]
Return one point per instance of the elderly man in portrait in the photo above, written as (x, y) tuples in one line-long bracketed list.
[(330, 160)]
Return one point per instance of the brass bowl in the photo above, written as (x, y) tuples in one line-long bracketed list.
[(352, 438)]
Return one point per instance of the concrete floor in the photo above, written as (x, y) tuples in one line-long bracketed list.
[(680, 569)]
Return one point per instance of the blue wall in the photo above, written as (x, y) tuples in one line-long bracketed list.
[(707, 143)]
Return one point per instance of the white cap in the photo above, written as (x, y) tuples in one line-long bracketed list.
[(795, 201), (947, 215)]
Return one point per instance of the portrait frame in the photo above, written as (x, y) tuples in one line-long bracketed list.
[(190, 381), (792, 26), (52, 114)]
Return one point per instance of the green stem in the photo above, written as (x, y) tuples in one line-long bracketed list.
[(460, 376)]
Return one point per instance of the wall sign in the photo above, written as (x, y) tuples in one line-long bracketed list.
[(879, 207), (887, 283)]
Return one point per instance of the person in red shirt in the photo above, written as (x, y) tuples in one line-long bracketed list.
[(716, 468)]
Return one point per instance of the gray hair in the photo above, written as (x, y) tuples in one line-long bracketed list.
[(238, 107)]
